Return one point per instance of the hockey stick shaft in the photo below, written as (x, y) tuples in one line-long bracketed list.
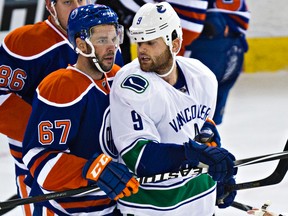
[(246, 208), (241, 206), (4, 211), (159, 177), (45, 197), (261, 159), (275, 178)]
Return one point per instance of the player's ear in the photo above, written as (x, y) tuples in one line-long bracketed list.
[(81, 44), (49, 8), (176, 45)]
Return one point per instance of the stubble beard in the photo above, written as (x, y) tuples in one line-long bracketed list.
[(159, 64), (105, 67)]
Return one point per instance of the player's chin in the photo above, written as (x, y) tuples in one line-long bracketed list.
[(107, 67), (108, 63), (145, 66)]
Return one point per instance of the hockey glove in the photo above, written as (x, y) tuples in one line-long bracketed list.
[(225, 198), (219, 160), (209, 134), (111, 177)]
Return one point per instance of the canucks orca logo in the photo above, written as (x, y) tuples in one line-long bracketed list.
[(161, 9), (135, 83)]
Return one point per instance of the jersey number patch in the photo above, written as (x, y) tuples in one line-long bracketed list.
[(12, 79), (232, 5), (46, 131), (137, 120)]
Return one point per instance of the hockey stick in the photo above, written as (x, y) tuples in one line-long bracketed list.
[(4, 211), (245, 207), (275, 178), (279, 172), (45, 197), (261, 159), (241, 206)]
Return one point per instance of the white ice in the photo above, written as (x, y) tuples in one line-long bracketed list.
[(255, 123)]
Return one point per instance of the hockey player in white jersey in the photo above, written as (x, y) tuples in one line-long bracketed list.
[(159, 103)]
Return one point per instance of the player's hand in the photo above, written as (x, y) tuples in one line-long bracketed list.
[(258, 212), (219, 160), (111, 177), (209, 134), (225, 198), (263, 211)]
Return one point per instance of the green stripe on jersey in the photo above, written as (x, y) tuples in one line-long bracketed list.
[(130, 158), (171, 197)]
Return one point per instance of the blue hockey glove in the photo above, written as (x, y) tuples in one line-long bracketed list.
[(111, 177), (209, 134), (219, 160), (225, 198)]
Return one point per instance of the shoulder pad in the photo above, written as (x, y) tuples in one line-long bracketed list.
[(30, 40), (71, 84)]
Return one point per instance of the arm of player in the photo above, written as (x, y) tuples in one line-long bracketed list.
[(15, 113), (192, 15), (55, 170), (148, 158)]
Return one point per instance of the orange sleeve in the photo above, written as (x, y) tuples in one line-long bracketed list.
[(188, 38), (15, 113), (72, 166)]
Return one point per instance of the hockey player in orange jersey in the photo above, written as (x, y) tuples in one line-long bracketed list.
[(27, 55), (68, 142)]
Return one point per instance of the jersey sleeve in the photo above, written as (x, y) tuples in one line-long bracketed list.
[(192, 14), (236, 14), (14, 109), (14, 116)]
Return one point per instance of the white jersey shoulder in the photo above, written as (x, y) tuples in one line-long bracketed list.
[(131, 77), (168, 114)]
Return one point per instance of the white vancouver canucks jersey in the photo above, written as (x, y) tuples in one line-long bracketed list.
[(145, 107)]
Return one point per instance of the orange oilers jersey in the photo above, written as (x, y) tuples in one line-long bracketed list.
[(238, 15), (28, 54), (70, 121), (192, 14)]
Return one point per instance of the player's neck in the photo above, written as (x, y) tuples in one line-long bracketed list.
[(172, 78), (59, 27), (84, 64)]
